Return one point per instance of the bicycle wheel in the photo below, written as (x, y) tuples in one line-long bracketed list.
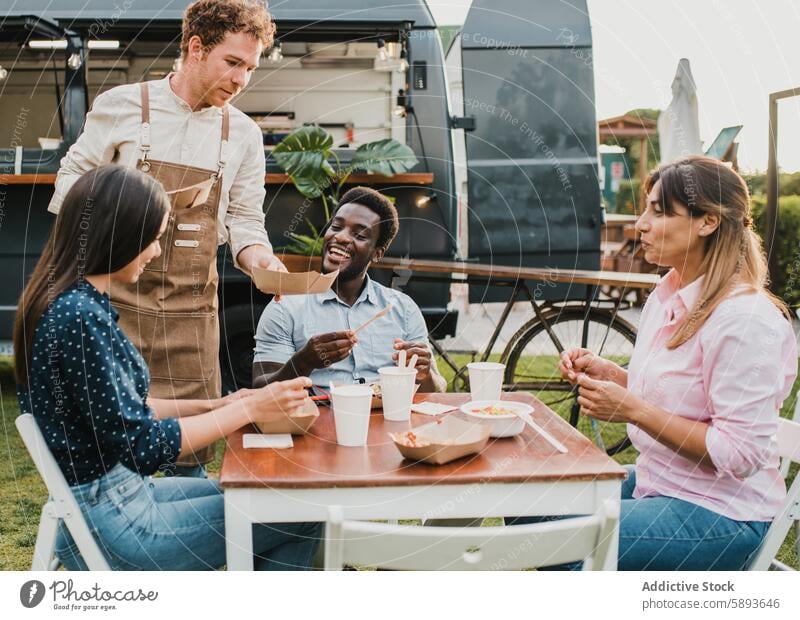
[(532, 364)]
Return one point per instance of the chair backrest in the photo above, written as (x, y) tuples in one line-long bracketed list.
[(789, 450), (62, 500), (405, 547), (785, 461)]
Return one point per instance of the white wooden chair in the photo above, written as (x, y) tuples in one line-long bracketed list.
[(60, 505), (789, 449), (406, 547)]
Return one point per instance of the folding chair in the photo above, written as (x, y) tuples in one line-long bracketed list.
[(60, 505), (789, 450), (405, 547)]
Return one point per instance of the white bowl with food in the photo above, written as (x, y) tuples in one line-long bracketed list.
[(499, 415)]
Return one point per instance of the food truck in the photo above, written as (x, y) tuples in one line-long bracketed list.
[(521, 188)]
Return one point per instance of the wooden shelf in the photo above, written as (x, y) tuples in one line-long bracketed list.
[(408, 178), (27, 179)]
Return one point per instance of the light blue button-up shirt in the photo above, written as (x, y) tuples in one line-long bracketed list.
[(286, 326)]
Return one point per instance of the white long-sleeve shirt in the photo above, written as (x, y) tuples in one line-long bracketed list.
[(181, 136)]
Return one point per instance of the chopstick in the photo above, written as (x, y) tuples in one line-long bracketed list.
[(413, 361), (378, 315), (550, 439)]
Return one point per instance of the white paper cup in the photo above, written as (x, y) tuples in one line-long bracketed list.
[(351, 407), (397, 392), (486, 380)]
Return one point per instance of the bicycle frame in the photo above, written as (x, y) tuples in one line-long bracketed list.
[(540, 311)]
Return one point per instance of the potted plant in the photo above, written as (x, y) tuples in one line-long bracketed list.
[(306, 155)]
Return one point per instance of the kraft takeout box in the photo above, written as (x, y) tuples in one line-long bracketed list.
[(297, 424), (447, 439), (282, 283)]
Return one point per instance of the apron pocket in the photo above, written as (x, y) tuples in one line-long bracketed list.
[(177, 346)]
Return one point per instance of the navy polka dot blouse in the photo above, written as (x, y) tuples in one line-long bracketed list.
[(87, 389)]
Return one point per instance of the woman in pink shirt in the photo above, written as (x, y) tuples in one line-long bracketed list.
[(714, 359)]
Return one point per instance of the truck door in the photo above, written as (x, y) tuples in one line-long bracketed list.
[(533, 192)]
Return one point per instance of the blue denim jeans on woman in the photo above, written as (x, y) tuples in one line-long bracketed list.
[(665, 533), (143, 523)]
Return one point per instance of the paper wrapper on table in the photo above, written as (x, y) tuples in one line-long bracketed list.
[(377, 401), (282, 283), (297, 424), (450, 438)]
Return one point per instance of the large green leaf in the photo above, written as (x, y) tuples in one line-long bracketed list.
[(303, 155), (384, 157), (305, 245)]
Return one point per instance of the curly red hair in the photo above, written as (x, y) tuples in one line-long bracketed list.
[(212, 20)]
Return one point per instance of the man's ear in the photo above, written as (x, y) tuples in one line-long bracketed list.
[(710, 224), (378, 254), (195, 48)]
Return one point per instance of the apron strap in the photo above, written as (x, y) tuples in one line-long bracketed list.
[(144, 128), (223, 147)]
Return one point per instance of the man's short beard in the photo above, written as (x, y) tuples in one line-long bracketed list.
[(352, 272)]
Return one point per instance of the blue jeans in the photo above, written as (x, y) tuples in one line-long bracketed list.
[(665, 533), (186, 471), (141, 523)]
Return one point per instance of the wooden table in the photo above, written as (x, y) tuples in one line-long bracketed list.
[(518, 476)]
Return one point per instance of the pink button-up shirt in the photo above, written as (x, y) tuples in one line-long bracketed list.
[(733, 374)]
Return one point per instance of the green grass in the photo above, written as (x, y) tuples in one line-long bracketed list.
[(22, 492)]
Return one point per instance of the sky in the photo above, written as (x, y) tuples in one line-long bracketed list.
[(740, 51)]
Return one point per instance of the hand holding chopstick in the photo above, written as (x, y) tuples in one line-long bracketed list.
[(414, 355)]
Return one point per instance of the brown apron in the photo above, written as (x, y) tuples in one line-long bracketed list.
[(171, 312)]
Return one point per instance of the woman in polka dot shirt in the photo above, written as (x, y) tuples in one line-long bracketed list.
[(87, 387)]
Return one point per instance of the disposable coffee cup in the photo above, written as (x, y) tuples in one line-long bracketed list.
[(486, 380), (397, 392), (351, 407)]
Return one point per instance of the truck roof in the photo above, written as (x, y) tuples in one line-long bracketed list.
[(80, 14)]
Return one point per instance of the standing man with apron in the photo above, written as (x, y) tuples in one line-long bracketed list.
[(209, 156)]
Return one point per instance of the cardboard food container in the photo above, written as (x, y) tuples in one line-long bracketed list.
[(443, 441), (282, 283), (297, 424), (377, 401)]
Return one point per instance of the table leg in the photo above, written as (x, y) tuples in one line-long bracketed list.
[(238, 530)]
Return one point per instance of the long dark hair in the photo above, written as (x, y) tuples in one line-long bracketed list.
[(108, 217)]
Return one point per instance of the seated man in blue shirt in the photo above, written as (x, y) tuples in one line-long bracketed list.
[(312, 335)]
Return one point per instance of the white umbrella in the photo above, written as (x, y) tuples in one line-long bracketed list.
[(678, 125)]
